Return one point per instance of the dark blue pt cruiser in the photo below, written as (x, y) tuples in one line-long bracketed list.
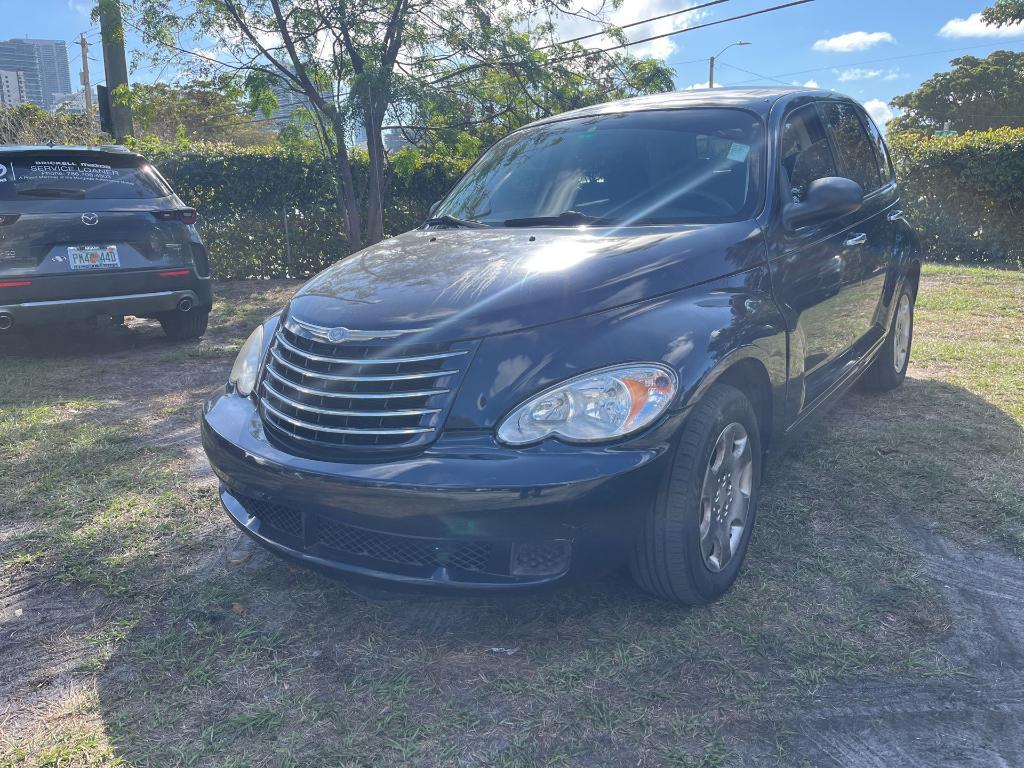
[(584, 355)]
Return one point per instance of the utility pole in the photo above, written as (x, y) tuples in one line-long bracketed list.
[(86, 84), (711, 74), (115, 66)]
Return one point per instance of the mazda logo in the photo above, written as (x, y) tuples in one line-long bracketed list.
[(90, 219)]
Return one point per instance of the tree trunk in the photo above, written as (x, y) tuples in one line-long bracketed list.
[(347, 203), (375, 177)]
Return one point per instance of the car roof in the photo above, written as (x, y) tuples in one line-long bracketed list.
[(759, 100), (95, 149)]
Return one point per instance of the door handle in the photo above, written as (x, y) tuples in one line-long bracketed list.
[(858, 239), (895, 215)]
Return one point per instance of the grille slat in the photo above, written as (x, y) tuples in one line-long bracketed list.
[(370, 360), (356, 395), (340, 377), (341, 412), (347, 395)]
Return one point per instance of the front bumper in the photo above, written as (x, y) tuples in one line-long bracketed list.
[(465, 513)]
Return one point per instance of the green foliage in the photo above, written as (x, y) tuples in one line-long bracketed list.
[(1004, 12), (975, 95), (29, 124), (200, 110), (244, 194), (964, 194)]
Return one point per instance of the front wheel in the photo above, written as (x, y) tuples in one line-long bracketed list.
[(184, 325), (693, 541), (890, 367)]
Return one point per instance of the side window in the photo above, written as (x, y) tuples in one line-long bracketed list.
[(882, 151), (806, 155), (853, 144)]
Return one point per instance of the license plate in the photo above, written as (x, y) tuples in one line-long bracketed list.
[(93, 257)]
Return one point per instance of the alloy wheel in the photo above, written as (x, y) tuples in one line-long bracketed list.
[(725, 497), (901, 334)]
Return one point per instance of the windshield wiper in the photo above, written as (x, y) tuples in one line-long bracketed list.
[(565, 218), (51, 192), (452, 221)]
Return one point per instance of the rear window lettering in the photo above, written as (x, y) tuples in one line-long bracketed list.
[(95, 179)]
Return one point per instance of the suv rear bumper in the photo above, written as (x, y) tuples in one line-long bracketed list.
[(138, 304)]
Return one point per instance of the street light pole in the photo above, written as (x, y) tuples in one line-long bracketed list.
[(711, 73)]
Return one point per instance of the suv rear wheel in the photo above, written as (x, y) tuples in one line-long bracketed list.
[(184, 325), (693, 541)]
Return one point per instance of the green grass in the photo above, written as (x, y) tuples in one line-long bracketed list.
[(179, 653)]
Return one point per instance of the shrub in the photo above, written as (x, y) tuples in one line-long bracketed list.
[(267, 211), (965, 194)]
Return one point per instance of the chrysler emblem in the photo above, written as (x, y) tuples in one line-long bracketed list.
[(90, 219), (339, 334)]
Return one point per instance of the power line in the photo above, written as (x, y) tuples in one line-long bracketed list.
[(592, 51), (847, 65), (632, 24), (749, 72)]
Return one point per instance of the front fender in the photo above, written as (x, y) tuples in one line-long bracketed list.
[(700, 332)]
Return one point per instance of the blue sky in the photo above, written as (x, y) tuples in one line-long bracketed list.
[(870, 49)]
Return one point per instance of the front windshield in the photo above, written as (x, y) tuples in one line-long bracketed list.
[(640, 168)]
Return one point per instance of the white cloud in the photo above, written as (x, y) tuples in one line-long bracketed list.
[(811, 84), (82, 7), (974, 26), (853, 41), (856, 73), (697, 86), (879, 111)]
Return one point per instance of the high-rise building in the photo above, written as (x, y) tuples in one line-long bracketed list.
[(44, 65), (12, 88)]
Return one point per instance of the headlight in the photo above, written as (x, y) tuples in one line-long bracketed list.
[(600, 405), (247, 364)]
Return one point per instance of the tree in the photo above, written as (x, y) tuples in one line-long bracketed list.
[(204, 110), (30, 124), (975, 95), (358, 64), (1004, 13)]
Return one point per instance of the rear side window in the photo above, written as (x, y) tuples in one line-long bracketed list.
[(884, 163), (27, 177), (806, 154), (853, 144)]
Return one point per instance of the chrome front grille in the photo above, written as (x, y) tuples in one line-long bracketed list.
[(361, 395)]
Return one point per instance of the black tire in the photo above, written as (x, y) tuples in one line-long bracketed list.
[(667, 559), (883, 375), (181, 326)]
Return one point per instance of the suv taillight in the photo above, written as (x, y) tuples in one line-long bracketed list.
[(184, 215)]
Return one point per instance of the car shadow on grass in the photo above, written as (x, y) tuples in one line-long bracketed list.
[(249, 661)]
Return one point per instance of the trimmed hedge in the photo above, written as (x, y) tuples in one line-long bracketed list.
[(965, 194), (246, 196)]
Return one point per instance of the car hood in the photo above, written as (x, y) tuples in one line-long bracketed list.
[(469, 283)]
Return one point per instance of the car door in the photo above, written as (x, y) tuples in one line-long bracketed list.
[(817, 277), (871, 238)]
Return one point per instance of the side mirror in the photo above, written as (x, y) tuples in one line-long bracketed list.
[(828, 198), (433, 209)]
